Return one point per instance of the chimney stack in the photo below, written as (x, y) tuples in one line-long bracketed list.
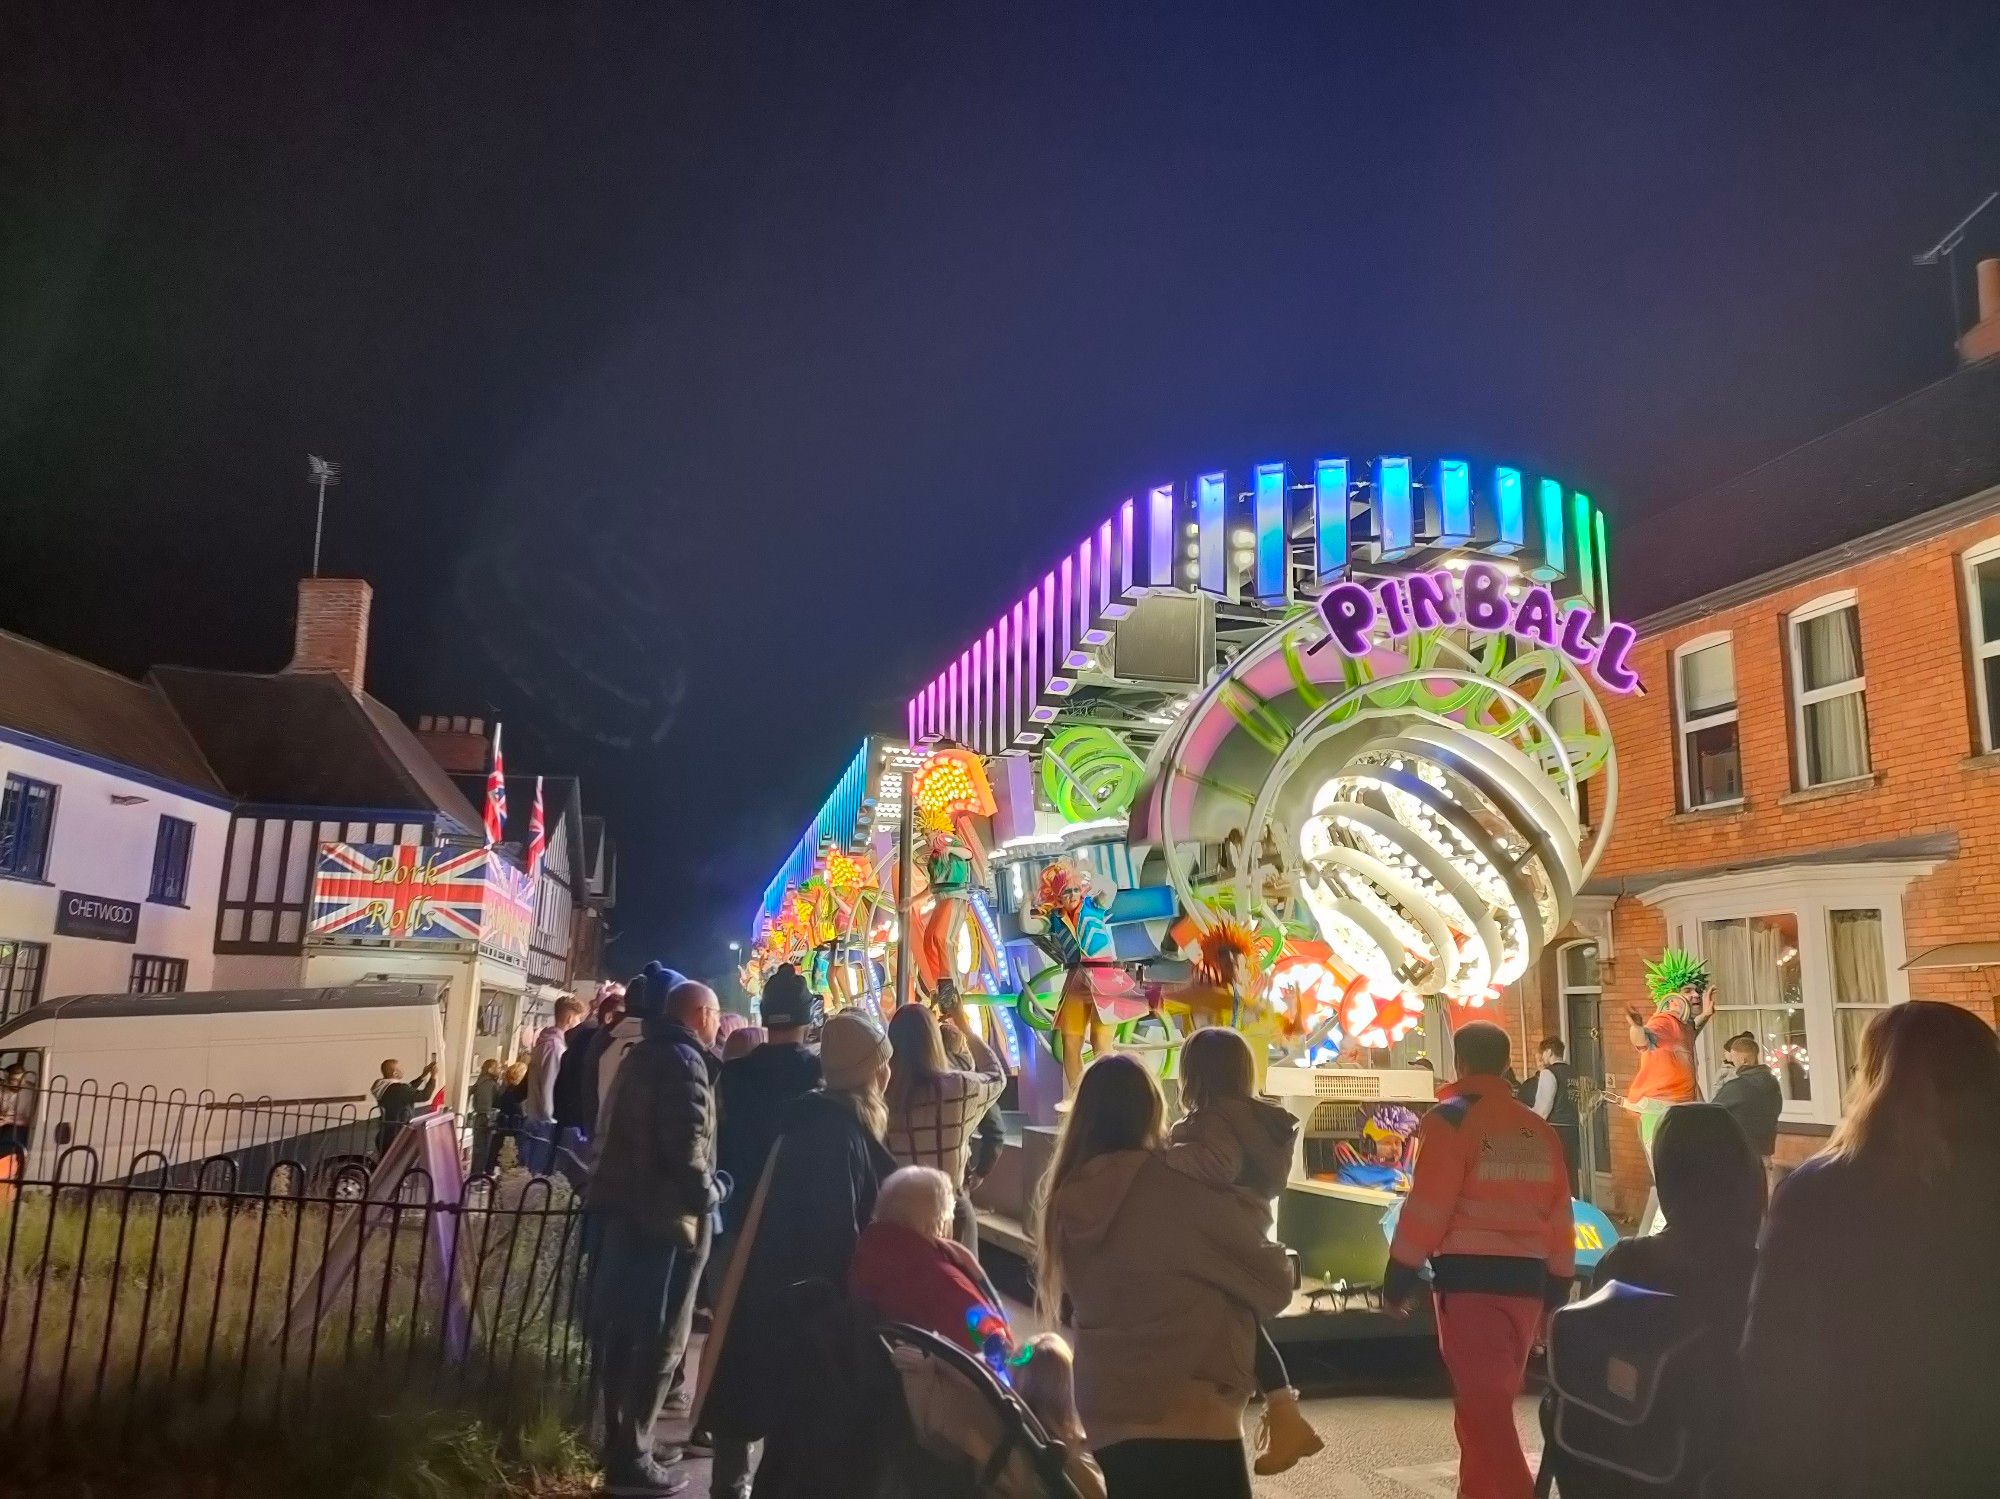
[(332, 632), (459, 744), (1982, 339)]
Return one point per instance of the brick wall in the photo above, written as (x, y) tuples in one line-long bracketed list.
[(1929, 778), (332, 630)]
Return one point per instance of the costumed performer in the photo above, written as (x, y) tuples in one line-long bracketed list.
[(1683, 1001), (1097, 992)]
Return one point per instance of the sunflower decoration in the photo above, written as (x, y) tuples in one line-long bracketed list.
[(1677, 982), (1223, 948)]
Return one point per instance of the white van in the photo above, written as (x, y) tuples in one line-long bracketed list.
[(129, 1085)]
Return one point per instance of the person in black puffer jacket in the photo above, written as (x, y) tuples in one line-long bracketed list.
[(651, 1197), (1752, 1096)]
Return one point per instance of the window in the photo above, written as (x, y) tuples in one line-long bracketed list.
[(1829, 703), (1860, 981), (171, 850), (1803, 957), (1705, 723), (27, 817), (1753, 962), (1982, 604), (21, 967), (152, 975)]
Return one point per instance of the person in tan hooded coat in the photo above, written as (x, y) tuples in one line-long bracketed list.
[(1162, 1279)]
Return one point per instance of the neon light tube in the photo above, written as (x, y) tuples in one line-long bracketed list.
[(1511, 518), (1586, 564), (1330, 517), (1395, 524), (1552, 528), (1454, 481), (1273, 541), (1210, 502)]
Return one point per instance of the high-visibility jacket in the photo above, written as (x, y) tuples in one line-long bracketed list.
[(1489, 1201)]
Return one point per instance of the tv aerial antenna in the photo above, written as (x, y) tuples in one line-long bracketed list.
[(322, 475), (1942, 252)]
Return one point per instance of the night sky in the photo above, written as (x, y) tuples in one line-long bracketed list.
[(704, 374)]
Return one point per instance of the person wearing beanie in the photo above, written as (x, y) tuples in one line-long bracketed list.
[(645, 996), (651, 1200), (802, 1216), (756, 1090)]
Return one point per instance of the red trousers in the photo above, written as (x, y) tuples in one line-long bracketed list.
[(1485, 1341)]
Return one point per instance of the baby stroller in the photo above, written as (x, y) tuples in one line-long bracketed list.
[(969, 1436)]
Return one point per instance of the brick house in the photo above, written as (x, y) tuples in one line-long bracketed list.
[(1810, 785)]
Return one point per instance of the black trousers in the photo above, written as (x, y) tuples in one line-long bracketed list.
[(1572, 1144), (642, 1301), (1162, 1468)]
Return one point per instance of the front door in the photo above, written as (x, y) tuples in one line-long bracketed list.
[(1583, 1027)]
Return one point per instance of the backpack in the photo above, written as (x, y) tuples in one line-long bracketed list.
[(1637, 1400)]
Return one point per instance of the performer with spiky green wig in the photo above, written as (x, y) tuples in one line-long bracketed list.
[(1682, 1004)]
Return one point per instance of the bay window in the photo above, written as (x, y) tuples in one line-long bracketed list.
[(1802, 957)]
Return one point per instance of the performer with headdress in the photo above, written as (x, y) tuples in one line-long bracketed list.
[(1683, 1001), (1097, 993)]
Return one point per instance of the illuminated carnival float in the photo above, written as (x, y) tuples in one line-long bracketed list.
[(1322, 757)]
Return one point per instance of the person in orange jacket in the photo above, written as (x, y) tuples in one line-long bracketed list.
[(1489, 1208)]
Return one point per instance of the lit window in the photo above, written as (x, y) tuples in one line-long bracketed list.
[(1803, 958), (1753, 961), (1982, 602), (1829, 700), (1860, 980), (1705, 720)]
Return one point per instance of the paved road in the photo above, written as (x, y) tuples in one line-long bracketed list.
[(1384, 1413)]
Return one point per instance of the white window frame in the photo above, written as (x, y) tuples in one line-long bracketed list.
[(1978, 649), (1802, 699), (1809, 893), (1684, 727)]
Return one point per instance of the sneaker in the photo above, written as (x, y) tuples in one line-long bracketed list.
[(698, 1444), (648, 1481), (1284, 1437)]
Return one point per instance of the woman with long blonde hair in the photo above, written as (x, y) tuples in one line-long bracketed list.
[(1873, 1349), (1162, 1279), (934, 1108)]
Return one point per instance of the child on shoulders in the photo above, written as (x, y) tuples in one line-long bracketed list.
[(1231, 1138)]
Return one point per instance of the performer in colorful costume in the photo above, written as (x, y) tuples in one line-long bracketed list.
[(1097, 992), (1682, 1004), (1387, 1153), (949, 791)]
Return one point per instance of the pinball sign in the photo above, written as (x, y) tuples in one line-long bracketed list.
[(405, 893), (1478, 598)]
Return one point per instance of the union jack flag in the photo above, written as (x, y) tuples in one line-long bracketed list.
[(399, 890), (537, 835), (496, 796)]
